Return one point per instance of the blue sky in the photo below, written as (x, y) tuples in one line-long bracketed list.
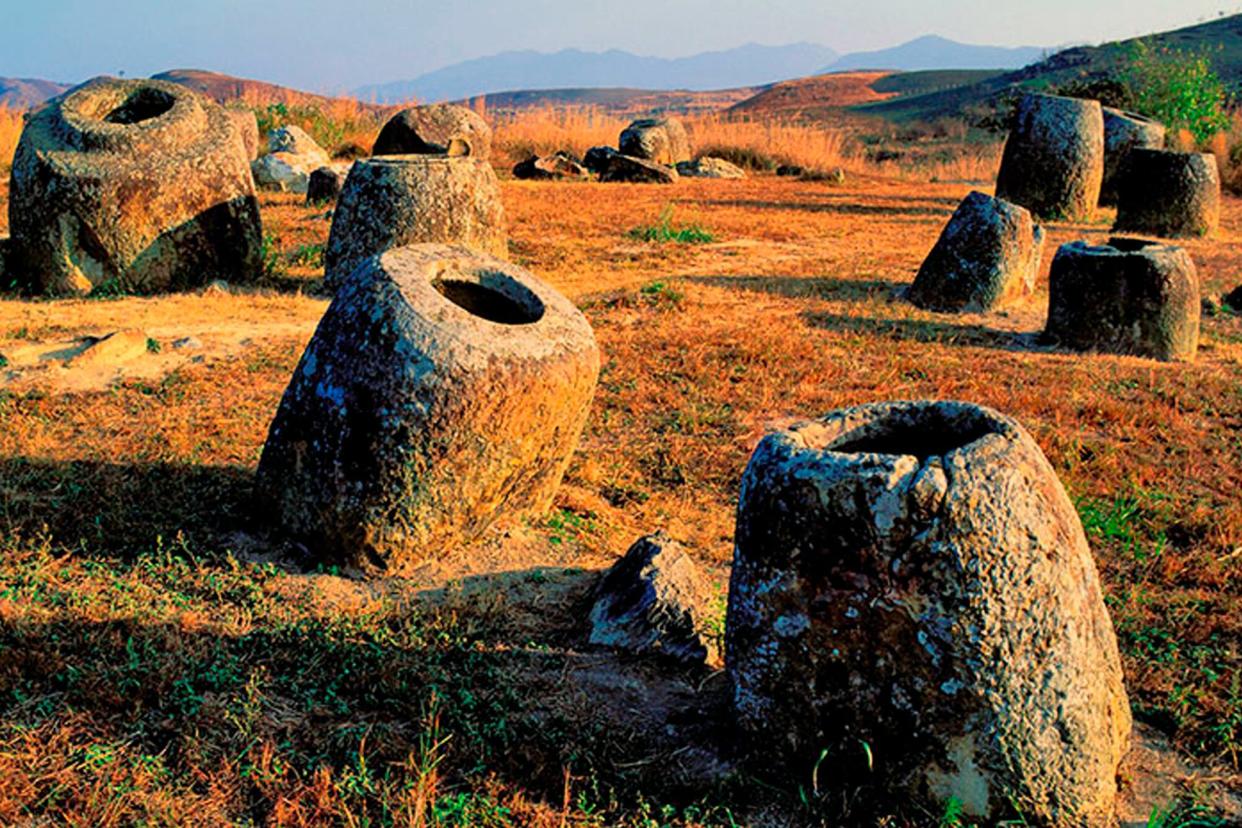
[(335, 45)]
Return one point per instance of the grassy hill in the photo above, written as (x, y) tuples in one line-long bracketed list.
[(1223, 38)]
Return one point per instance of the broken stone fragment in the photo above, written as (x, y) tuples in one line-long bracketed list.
[(662, 140), (653, 601), (432, 130)]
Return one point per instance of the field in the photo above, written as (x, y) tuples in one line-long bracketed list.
[(168, 659)]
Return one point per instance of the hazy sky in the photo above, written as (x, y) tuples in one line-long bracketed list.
[(335, 45)]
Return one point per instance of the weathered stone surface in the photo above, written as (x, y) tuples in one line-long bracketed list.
[(1123, 132), (392, 201), (325, 183), (836, 175), (987, 256), (558, 165), (1169, 194), (442, 389), (624, 168), (1130, 296), (654, 601), (597, 158), (662, 140), (248, 126), (7, 280), (1053, 163), (138, 185), (430, 130), (294, 140), (709, 167), (913, 578)]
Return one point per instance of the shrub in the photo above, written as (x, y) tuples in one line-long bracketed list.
[(1180, 89)]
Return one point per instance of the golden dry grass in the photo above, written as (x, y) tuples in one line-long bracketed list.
[(788, 314), (10, 132)]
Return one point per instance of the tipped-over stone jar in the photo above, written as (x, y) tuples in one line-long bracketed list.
[(912, 594), (442, 389), (132, 185), (396, 200)]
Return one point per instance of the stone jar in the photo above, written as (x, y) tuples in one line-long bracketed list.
[(432, 129), (912, 594), (133, 185), (1124, 132), (1130, 296), (393, 201), (988, 256), (1168, 194), (1053, 164), (443, 389)]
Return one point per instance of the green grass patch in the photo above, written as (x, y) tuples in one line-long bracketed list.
[(664, 230)]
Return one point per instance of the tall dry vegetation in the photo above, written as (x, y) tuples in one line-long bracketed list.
[(10, 131)]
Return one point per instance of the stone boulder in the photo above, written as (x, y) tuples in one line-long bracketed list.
[(1169, 194), (1123, 132), (248, 126), (911, 577), (662, 140), (654, 601), (134, 185), (987, 256), (443, 389), (293, 140), (597, 158), (1130, 296), (292, 157), (790, 171), (431, 130), (1053, 163), (558, 165), (7, 281), (708, 167), (393, 201), (624, 168), (325, 184)]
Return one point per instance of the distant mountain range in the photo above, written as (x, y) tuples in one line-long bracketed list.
[(750, 65), (934, 52)]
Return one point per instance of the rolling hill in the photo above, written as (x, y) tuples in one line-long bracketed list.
[(750, 65), (934, 52), (1222, 39), (23, 93)]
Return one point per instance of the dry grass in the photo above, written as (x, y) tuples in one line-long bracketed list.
[(10, 132), (164, 672)]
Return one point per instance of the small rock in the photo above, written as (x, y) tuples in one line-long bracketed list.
[(216, 287), (112, 349), (558, 165), (597, 158), (652, 601), (790, 171), (187, 343), (626, 168), (325, 183), (709, 167)]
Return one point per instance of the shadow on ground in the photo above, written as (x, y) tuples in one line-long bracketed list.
[(123, 507), (923, 330), (797, 287)]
